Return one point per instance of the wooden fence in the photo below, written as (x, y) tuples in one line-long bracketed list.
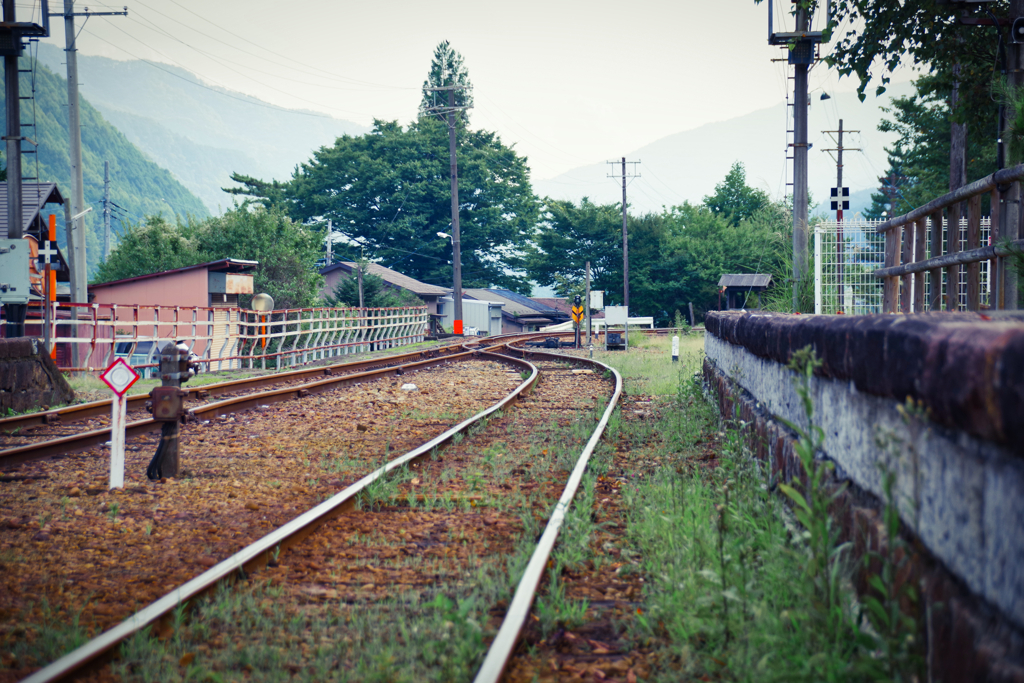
[(909, 254)]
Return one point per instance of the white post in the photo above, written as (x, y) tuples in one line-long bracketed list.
[(117, 427), (817, 270), (675, 349)]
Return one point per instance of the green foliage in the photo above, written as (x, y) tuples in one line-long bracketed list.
[(447, 68), (922, 150), (138, 186), (286, 251), (734, 200), (388, 192), (676, 256), (376, 293)]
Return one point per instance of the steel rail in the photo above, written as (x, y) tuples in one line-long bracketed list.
[(77, 442), (84, 411), (519, 609), (257, 554)]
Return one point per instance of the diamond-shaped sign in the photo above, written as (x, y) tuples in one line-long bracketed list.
[(119, 376)]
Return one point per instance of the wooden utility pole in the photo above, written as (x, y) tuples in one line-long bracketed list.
[(625, 226), (79, 287), (449, 113), (588, 306), (359, 281), (106, 210), (839, 204), (1010, 213)]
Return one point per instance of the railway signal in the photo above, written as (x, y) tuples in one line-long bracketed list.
[(168, 406), (120, 377), (577, 317)]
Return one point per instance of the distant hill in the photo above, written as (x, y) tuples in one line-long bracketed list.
[(138, 185), (687, 166), (201, 133)]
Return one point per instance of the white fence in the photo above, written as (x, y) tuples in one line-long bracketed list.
[(87, 337), (844, 279)]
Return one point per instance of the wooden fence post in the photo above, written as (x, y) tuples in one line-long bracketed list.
[(907, 256), (973, 242), (890, 291)]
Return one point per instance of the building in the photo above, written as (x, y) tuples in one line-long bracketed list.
[(482, 316), (216, 284), (35, 197), (519, 313), (429, 294)]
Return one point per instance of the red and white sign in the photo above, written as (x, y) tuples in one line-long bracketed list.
[(119, 376)]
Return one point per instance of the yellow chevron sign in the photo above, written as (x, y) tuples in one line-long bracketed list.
[(577, 314)]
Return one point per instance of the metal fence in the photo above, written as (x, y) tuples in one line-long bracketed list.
[(87, 337), (845, 279)]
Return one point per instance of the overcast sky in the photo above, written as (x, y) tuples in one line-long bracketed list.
[(568, 83)]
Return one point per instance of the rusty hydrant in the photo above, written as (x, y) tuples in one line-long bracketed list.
[(168, 406)]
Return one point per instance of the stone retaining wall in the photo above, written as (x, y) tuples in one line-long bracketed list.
[(29, 378), (960, 475)]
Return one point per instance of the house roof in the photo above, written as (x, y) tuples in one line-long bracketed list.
[(752, 280), (509, 306), (558, 303), (33, 197), (391, 277), (231, 265), (543, 309)]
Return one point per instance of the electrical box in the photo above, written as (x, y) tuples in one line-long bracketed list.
[(168, 403), (597, 300), (14, 269)]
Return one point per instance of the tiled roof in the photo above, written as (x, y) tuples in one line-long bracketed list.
[(232, 265), (559, 304), (33, 197), (391, 277), (511, 307), (543, 309)]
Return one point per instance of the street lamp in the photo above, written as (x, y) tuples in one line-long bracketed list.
[(457, 289)]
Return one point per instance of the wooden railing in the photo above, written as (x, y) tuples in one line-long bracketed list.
[(909, 254)]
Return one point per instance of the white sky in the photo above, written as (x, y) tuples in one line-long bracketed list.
[(567, 82)]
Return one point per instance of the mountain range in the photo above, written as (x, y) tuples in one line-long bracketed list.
[(686, 166), (201, 133)]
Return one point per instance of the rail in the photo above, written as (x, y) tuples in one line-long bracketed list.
[(257, 554), (910, 251)]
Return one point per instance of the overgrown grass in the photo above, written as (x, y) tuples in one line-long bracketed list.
[(736, 587)]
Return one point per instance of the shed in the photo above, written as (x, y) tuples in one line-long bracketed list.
[(519, 313), (737, 287), (216, 284), (484, 316)]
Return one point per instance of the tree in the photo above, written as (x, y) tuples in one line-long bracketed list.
[(733, 199), (151, 246), (568, 236), (376, 292), (447, 69), (285, 250)]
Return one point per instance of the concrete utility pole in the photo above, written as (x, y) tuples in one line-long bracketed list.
[(79, 280), (625, 229), (838, 205), (106, 210), (15, 311), (800, 164), (450, 112), (588, 307)]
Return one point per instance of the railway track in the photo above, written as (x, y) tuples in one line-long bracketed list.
[(55, 438), (411, 501)]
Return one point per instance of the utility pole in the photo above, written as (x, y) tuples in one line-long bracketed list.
[(1011, 209), (106, 210), (800, 165), (839, 203), (588, 309), (15, 311), (327, 256), (79, 292), (449, 113), (625, 227)]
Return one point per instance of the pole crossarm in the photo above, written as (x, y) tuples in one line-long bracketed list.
[(1007, 175), (955, 259)]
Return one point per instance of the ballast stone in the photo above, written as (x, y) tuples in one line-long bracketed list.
[(409, 387)]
